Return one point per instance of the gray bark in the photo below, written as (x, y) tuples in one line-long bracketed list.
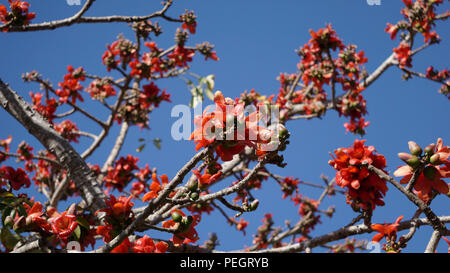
[(77, 169)]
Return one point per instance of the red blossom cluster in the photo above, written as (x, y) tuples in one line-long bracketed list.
[(18, 14), (156, 187), (442, 76), (71, 86), (68, 130), (184, 227), (146, 245), (365, 189), (262, 235), (48, 109), (100, 89), (289, 186), (136, 109), (307, 206), (150, 95), (59, 228), (420, 16), (121, 173), (142, 245), (435, 164), (213, 126), (16, 178), (319, 68), (403, 55), (189, 22), (118, 216), (120, 52)]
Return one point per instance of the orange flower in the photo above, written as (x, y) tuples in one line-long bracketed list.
[(206, 178), (217, 125), (186, 225), (155, 187), (63, 224), (431, 178), (146, 245), (365, 189), (388, 231)]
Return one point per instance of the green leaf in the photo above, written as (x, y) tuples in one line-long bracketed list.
[(140, 148), (9, 239), (157, 143), (141, 139)]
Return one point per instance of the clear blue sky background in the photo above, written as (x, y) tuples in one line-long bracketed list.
[(255, 41)]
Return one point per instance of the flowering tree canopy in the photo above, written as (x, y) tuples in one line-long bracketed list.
[(67, 190)]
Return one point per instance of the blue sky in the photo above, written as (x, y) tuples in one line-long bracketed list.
[(255, 41)]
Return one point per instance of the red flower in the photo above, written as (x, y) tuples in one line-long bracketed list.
[(189, 21), (289, 185), (123, 48), (155, 187), (181, 56), (124, 247), (68, 130), (150, 96), (206, 178), (214, 125), (431, 178), (18, 16), (48, 109), (388, 231), (392, 30), (119, 209), (16, 178), (146, 245), (241, 225), (63, 224), (71, 85), (403, 55), (121, 174), (100, 90), (34, 216), (365, 189), (186, 228), (356, 126)]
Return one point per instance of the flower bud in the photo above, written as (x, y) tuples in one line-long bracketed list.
[(176, 216), (414, 162), (194, 196), (435, 159), (9, 221), (282, 131), (19, 223), (414, 148), (254, 205), (193, 185), (404, 156), (429, 172), (429, 150)]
